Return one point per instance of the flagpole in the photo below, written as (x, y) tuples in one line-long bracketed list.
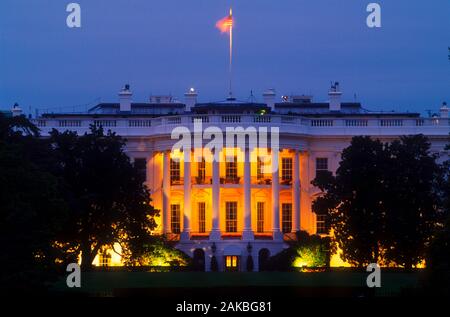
[(231, 55)]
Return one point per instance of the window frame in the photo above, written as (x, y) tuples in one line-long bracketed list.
[(201, 216), (175, 171), (175, 218), (287, 169), (231, 223), (260, 209), (231, 168), (321, 225), (286, 217)]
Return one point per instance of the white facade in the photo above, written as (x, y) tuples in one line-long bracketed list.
[(309, 134)]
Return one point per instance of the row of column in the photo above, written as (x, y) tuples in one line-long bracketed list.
[(247, 231)]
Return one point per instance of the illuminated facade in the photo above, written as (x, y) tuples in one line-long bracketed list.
[(241, 204)]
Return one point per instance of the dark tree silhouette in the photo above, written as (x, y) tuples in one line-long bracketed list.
[(108, 201), (32, 211), (438, 257), (411, 203), (352, 201), (382, 203)]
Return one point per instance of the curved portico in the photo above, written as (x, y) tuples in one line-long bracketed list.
[(257, 192)]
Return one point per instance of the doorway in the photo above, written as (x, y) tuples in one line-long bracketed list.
[(232, 263)]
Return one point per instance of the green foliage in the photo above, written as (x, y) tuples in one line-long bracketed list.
[(107, 201), (382, 203), (157, 252), (309, 251)]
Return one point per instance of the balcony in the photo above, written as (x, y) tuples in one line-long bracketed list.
[(195, 235), (264, 180), (230, 180), (232, 235), (199, 235), (286, 181), (176, 182), (205, 180)]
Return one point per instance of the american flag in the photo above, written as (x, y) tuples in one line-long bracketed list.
[(225, 24)]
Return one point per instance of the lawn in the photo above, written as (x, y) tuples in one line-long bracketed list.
[(107, 283)]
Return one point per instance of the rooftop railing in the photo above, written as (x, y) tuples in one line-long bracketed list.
[(288, 124)]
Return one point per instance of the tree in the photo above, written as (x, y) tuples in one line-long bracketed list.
[(411, 203), (156, 251), (32, 211), (438, 255), (351, 199), (308, 251), (108, 202)]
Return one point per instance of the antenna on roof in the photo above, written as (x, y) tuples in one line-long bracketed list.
[(252, 97)]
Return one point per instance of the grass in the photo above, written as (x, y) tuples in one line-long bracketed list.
[(98, 283)]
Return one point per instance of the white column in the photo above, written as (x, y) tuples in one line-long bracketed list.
[(185, 235), (247, 233), (215, 232), (166, 192), (296, 193), (277, 235)]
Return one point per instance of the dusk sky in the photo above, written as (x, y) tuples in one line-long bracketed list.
[(167, 46)]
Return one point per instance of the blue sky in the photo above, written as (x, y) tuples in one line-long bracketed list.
[(167, 46)]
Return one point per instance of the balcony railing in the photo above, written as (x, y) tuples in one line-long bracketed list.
[(264, 180), (231, 180), (176, 182), (286, 181), (286, 123), (197, 180), (196, 235)]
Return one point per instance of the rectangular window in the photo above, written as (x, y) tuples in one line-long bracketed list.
[(231, 262), (231, 216), (260, 169), (104, 259), (201, 217), (286, 218), (175, 218), (175, 174), (141, 165), (201, 168), (231, 168), (320, 224), (321, 164), (286, 169), (260, 216)]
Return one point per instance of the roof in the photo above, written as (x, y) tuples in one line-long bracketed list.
[(230, 107), (312, 105), (321, 109), (138, 105)]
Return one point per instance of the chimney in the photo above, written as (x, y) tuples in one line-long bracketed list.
[(444, 110), (190, 98), (335, 97), (16, 110), (269, 98), (125, 99)]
